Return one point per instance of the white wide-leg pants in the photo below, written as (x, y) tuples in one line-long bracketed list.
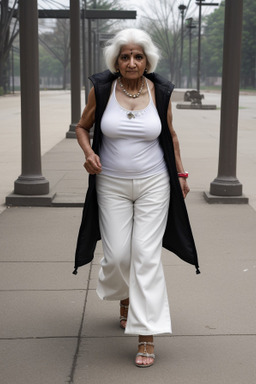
[(132, 216)]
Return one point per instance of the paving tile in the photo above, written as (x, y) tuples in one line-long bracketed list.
[(101, 317), (41, 276), (40, 313), (94, 277), (39, 234), (219, 301), (179, 360), (41, 361)]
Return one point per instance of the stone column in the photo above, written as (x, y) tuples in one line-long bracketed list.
[(75, 66), (226, 188), (31, 181)]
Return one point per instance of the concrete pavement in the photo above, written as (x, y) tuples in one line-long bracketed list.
[(54, 329)]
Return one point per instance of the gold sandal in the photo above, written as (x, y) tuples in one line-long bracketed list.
[(123, 313), (145, 354)]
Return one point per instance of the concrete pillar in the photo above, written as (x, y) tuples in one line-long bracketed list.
[(226, 187), (75, 66), (31, 181), (199, 47)]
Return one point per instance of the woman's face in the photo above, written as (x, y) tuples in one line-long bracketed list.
[(131, 61)]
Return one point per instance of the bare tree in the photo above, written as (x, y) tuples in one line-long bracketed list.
[(162, 20), (58, 44), (8, 33)]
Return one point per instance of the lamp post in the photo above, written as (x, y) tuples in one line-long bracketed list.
[(182, 8), (200, 3), (190, 26), (83, 46), (75, 66)]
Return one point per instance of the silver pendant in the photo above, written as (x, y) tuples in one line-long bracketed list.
[(130, 115)]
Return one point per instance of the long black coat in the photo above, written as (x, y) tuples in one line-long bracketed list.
[(178, 236)]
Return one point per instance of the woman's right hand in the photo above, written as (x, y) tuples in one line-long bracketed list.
[(93, 164)]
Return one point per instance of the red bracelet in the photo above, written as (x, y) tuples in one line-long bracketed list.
[(184, 175)]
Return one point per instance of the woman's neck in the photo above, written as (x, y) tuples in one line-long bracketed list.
[(131, 85)]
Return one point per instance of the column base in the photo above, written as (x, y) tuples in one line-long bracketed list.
[(29, 201), (226, 190), (228, 186), (196, 106), (31, 185), (213, 199), (71, 134)]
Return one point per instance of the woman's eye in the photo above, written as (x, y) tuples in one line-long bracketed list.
[(125, 57), (139, 57)]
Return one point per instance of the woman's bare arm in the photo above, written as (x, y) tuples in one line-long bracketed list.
[(183, 182), (92, 161)]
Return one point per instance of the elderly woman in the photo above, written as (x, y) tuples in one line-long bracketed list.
[(137, 185)]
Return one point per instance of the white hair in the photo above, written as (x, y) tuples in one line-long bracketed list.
[(128, 36)]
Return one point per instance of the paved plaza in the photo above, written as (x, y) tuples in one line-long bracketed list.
[(53, 327)]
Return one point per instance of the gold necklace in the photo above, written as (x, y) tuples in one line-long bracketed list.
[(134, 96)]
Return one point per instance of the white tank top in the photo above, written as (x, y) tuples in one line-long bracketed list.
[(130, 148)]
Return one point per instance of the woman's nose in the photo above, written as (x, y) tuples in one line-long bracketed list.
[(131, 63)]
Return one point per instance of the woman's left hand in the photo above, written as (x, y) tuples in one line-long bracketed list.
[(184, 186)]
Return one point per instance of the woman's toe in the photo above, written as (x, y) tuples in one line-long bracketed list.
[(150, 360), (139, 360)]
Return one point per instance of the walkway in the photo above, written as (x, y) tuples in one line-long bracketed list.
[(54, 329)]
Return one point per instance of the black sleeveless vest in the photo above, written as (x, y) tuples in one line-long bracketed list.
[(178, 236)]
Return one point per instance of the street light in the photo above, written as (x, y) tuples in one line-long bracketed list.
[(200, 3), (190, 26), (182, 8)]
